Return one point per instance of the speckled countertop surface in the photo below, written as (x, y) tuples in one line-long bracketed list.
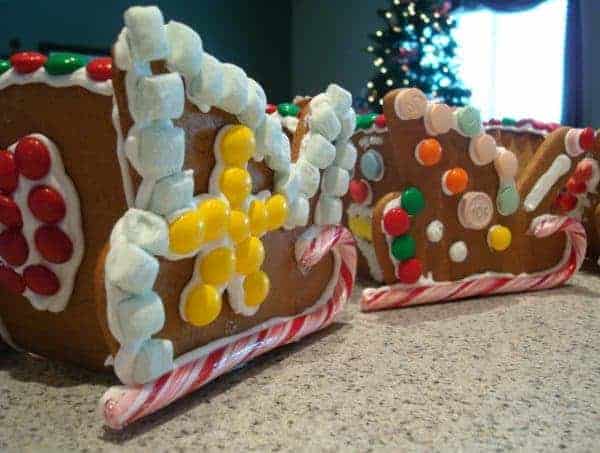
[(513, 372)]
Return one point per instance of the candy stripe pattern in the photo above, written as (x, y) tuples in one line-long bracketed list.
[(122, 405), (395, 296)]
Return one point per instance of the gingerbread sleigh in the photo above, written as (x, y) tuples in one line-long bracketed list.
[(441, 211), (157, 220)]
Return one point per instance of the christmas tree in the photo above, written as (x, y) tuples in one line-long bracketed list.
[(416, 49)]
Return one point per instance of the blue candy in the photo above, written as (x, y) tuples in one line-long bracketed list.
[(469, 121), (371, 165)]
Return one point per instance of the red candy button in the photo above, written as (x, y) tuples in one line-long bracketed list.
[(586, 138), (27, 62), (396, 222), (359, 190), (10, 214), (32, 158), (380, 121), (41, 280), (566, 201), (100, 69), (47, 204), (576, 187), (583, 171), (9, 178), (271, 108), (11, 281), (53, 244), (409, 271), (13, 247)]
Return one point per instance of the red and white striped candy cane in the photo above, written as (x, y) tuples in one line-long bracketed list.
[(400, 295), (122, 405)]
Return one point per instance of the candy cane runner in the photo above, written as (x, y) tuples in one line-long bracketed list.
[(122, 405), (481, 285)]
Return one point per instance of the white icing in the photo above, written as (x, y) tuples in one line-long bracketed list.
[(458, 252), (572, 145), (5, 336), (560, 167), (122, 158), (368, 251), (76, 78), (435, 231)]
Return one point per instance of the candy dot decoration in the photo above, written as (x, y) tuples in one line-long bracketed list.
[(455, 181), (409, 271), (361, 227), (583, 171), (41, 280), (10, 214), (256, 288), (9, 177), (499, 238), (100, 69), (236, 185), (237, 146), (11, 280), (576, 187), (482, 149), (32, 158), (468, 120), (259, 218), (288, 109), (380, 121), (475, 210), (403, 247), (435, 231), (271, 108), (215, 215), (396, 222), (203, 305), (27, 62), (365, 121), (53, 244), (587, 138), (371, 165), (4, 66), (62, 63), (217, 266), (428, 152), (566, 201), (359, 190), (239, 226), (413, 201), (250, 255), (13, 247), (47, 204), (277, 212), (187, 232), (508, 200), (458, 252)]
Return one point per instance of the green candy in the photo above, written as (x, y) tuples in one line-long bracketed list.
[(508, 200), (413, 201), (469, 121), (4, 66), (403, 247), (365, 121), (509, 122), (288, 109), (61, 63)]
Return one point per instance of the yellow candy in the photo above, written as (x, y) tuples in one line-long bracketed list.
[(217, 267), (249, 256), (186, 233), (256, 288), (239, 226), (237, 146), (236, 184), (361, 227), (277, 211), (215, 215), (259, 220), (202, 305), (499, 238)]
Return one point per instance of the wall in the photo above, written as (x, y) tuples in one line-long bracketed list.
[(252, 34)]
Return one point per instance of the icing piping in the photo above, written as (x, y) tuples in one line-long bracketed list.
[(560, 167), (120, 151)]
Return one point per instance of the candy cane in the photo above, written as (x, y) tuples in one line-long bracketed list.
[(122, 405), (400, 295)]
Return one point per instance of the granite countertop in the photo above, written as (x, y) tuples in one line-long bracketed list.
[(519, 371)]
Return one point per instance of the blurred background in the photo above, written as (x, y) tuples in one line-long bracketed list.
[(511, 58)]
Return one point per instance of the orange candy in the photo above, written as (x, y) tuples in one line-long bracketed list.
[(429, 152), (455, 181)]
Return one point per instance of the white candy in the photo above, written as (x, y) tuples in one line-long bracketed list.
[(348, 122), (308, 176), (279, 158), (121, 51), (154, 359), (186, 49), (161, 150), (335, 181), (254, 113), (328, 211), (147, 230), (298, 213), (269, 136), (324, 121), (146, 33), (341, 100), (288, 184), (158, 97), (345, 155), (206, 89), (172, 193), (130, 268), (235, 89), (317, 150), (140, 316)]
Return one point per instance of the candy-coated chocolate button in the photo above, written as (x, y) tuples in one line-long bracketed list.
[(11, 281), (256, 288), (413, 200), (186, 233), (499, 238), (32, 158), (4, 66), (403, 247), (61, 63), (236, 185), (428, 152), (41, 280), (100, 69), (249, 255), (409, 271), (53, 244), (237, 146), (455, 181), (380, 121), (288, 109), (10, 214), (508, 200), (586, 138), (365, 121), (202, 305), (13, 247), (217, 266), (27, 62), (271, 108), (475, 210), (9, 178), (215, 215), (371, 165), (468, 120), (396, 222), (482, 149), (359, 190), (47, 204)]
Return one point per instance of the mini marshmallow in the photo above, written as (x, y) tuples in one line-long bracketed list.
[(254, 113), (154, 359), (317, 150), (298, 213), (328, 211), (130, 268), (206, 88), (172, 193), (140, 316), (158, 97), (235, 89), (324, 121), (161, 150), (288, 185), (186, 49), (279, 158), (340, 99), (146, 33), (345, 155), (335, 181), (308, 177), (348, 123), (147, 230), (269, 136)]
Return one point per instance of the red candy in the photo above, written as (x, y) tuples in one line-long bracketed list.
[(27, 62), (409, 271), (9, 178), (271, 108), (11, 281), (566, 201), (10, 214), (359, 190), (583, 171), (100, 69), (47, 204), (13, 247), (41, 280), (576, 187), (380, 121), (396, 222), (32, 158), (586, 138), (54, 245)]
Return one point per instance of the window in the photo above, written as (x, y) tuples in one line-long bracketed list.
[(513, 62)]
